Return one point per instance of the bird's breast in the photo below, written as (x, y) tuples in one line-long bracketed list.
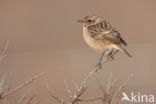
[(92, 42), (97, 44)]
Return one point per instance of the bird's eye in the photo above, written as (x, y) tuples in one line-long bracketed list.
[(89, 20)]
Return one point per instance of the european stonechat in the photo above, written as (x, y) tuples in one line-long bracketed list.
[(102, 36)]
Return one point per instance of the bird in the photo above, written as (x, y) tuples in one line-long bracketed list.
[(102, 36)]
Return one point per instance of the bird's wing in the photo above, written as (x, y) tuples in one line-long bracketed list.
[(110, 33), (115, 36)]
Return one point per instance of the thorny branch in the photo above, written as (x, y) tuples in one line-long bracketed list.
[(85, 82), (79, 90), (5, 89), (21, 86), (77, 94), (89, 100), (109, 96), (28, 100), (54, 96), (31, 99)]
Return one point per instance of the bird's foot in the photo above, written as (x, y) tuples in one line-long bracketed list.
[(111, 58)]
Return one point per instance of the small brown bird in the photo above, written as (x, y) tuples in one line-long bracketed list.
[(102, 36)]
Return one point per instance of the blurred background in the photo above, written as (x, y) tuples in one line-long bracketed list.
[(45, 37)]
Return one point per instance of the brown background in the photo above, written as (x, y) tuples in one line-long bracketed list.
[(45, 37)]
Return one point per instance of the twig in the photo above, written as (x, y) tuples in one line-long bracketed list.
[(109, 83), (22, 98), (106, 95), (84, 84), (3, 53), (102, 88), (8, 87), (54, 96), (31, 99), (9, 82), (79, 90), (2, 81), (89, 100), (75, 85), (118, 94), (109, 97), (112, 97), (22, 85), (68, 89), (125, 83)]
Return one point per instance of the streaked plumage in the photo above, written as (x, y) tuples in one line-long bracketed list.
[(102, 36)]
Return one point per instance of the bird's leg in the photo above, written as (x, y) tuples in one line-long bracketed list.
[(111, 54), (99, 64)]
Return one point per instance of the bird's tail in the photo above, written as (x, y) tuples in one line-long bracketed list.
[(126, 52)]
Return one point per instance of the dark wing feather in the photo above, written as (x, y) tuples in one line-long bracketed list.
[(119, 38), (114, 34)]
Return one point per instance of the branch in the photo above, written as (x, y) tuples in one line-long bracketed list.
[(116, 95), (79, 90), (102, 88), (22, 98), (75, 84), (3, 53), (54, 96), (21, 86), (120, 90), (84, 84), (68, 89), (2, 82), (30, 99), (89, 100)]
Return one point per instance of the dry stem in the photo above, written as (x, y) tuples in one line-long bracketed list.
[(79, 90), (21, 86), (3, 53)]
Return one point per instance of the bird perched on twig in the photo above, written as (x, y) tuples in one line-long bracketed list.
[(102, 36)]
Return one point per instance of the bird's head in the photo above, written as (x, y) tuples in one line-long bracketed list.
[(91, 20)]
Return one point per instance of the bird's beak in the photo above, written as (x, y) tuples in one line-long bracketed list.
[(81, 21)]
